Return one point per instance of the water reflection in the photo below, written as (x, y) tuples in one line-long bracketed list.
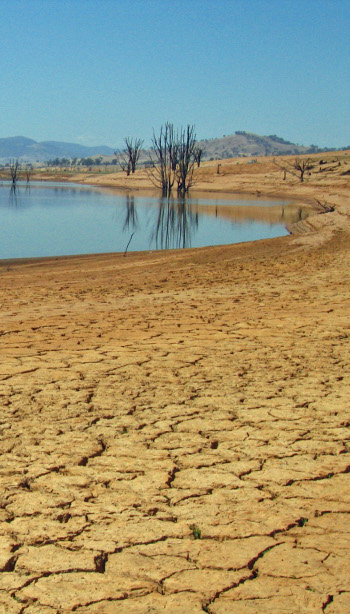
[(131, 220), (177, 219), (287, 214), (14, 200), (174, 224), (43, 219)]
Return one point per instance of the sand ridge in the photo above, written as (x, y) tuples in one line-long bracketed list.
[(175, 425)]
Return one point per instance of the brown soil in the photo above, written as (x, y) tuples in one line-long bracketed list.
[(175, 425)]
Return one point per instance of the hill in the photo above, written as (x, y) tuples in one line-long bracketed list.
[(239, 144), (28, 150), (249, 144)]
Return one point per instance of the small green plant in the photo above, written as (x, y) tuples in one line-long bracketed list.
[(197, 533), (16, 598)]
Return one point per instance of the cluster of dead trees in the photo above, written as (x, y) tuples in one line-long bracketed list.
[(172, 159), (16, 172), (174, 156), (299, 166)]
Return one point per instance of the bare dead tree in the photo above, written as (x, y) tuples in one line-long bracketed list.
[(123, 161), (164, 159), (298, 167), (174, 145), (173, 159), (28, 172), (186, 146), (133, 148), (129, 156), (303, 166), (198, 153), (15, 168)]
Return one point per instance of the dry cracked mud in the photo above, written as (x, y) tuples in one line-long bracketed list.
[(175, 430)]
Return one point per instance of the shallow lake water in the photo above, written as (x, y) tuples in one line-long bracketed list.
[(47, 219)]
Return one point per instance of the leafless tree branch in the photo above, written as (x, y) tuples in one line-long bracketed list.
[(298, 167)]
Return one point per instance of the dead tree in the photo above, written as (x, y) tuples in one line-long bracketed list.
[(122, 161), (15, 168), (302, 166), (164, 159), (133, 149), (173, 159), (129, 156), (125, 166), (298, 167), (186, 160), (28, 172), (198, 152)]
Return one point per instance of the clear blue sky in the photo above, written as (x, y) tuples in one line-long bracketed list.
[(94, 71)]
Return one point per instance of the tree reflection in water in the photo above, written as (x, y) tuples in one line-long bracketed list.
[(175, 223), (14, 196), (131, 220), (71, 219)]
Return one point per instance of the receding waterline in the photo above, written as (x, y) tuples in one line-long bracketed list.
[(48, 219)]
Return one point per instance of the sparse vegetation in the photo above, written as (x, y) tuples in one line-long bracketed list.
[(197, 533), (61, 162)]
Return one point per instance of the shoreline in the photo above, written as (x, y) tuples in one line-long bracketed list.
[(175, 424), (292, 228)]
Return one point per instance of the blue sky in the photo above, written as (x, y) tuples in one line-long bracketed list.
[(94, 71)]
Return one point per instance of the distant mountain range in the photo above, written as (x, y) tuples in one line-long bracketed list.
[(238, 144), (28, 150)]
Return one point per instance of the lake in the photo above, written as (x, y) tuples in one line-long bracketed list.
[(56, 219)]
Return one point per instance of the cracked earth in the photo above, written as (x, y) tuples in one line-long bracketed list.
[(175, 431)]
